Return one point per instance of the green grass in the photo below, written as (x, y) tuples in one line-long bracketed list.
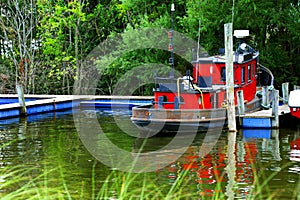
[(25, 183), (45, 182)]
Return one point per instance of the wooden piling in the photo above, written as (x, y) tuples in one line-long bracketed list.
[(241, 105), (20, 92), (285, 92), (275, 116), (265, 97), (229, 76)]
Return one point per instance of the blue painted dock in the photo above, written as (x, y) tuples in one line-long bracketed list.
[(263, 118), (36, 104)]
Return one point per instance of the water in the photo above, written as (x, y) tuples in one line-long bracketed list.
[(49, 153)]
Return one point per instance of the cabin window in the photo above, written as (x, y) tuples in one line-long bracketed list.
[(253, 71), (243, 75), (165, 98), (249, 72), (181, 99), (200, 100), (223, 74)]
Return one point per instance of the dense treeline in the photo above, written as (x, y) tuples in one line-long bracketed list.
[(43, 43)]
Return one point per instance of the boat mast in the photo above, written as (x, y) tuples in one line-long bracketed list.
[(171, 46), (198, 47)]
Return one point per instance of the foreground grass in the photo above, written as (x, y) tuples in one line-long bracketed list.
[(25, 183)]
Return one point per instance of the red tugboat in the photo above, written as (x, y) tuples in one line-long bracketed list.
[(197, 102), (294, 103)]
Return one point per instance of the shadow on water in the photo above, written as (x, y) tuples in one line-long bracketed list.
[(45, 157)]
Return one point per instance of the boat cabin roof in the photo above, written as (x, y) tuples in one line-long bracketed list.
[(238, 58)]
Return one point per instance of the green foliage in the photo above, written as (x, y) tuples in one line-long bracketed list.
[(69, 31), (273, 25)]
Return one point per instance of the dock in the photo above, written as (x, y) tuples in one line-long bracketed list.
[(263, 118), (36, 104), (272, 110)]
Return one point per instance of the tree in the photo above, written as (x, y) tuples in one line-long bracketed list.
[(18, 22), (59, 30), (273, 25)]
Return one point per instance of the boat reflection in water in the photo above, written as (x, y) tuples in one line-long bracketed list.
[(229, 167), (295, 152)]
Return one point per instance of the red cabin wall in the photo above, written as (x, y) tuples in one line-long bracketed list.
[(203, 69), (206, 68), (191, 101)]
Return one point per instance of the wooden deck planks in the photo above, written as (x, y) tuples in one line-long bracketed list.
[(283, 109)]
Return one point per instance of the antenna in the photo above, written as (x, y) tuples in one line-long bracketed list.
[(198, 48), (232, 12), (171, 46)]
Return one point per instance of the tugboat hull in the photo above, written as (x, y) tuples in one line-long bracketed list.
[(171, 120)]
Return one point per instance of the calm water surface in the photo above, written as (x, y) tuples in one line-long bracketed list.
[(261, 163)]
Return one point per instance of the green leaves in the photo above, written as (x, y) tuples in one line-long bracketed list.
[(70, 30)]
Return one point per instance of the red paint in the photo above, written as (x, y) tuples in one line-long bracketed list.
[(214, 98), (295, 112), (295, 144)]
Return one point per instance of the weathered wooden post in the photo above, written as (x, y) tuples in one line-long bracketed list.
[(285, 92), (265, 97), (275, 102), (229, 77), (241, 106), (21, 98)]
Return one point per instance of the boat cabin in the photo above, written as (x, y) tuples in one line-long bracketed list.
[(205, 88)]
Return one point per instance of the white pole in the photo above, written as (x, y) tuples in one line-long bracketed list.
[(229, 77)]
